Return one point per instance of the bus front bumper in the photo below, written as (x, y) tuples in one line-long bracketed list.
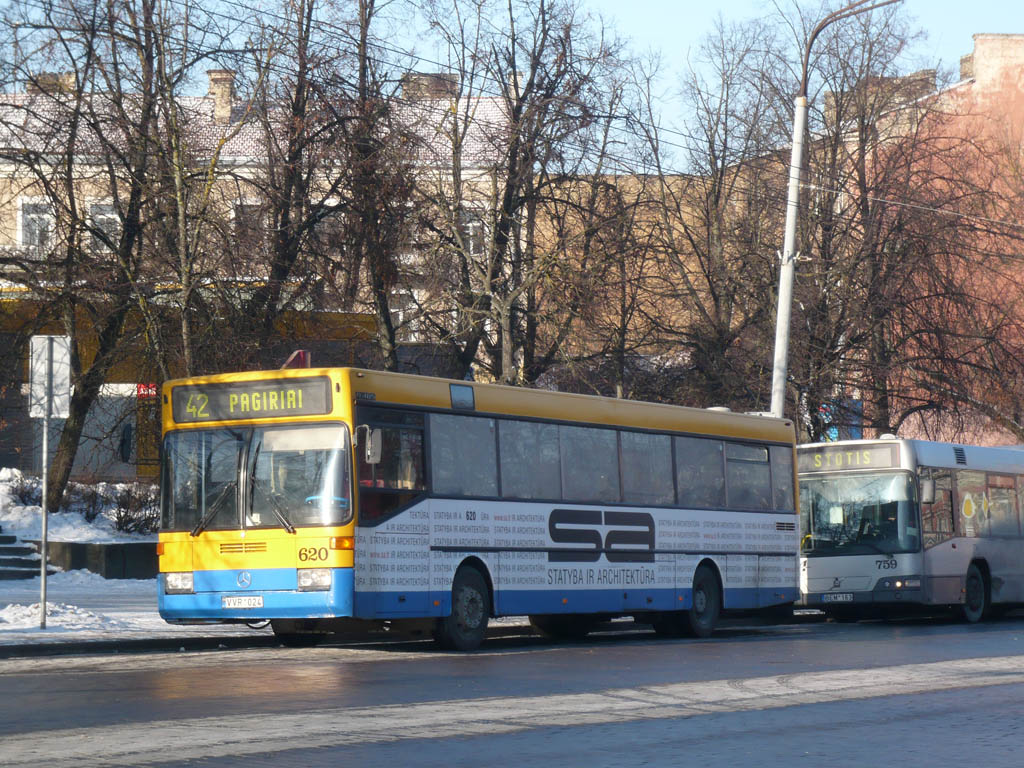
[(877, 597), (255, 595)]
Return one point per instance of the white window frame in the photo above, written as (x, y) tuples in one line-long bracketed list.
[(96, 245), (23, 203)]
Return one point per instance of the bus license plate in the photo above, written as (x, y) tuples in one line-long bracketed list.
[(837, 597), (245, 601)]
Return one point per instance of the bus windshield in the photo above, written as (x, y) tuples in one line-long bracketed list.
[(858, 514), (295, 476)]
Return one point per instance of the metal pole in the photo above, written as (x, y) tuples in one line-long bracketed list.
[(46, 472), (788, 267)]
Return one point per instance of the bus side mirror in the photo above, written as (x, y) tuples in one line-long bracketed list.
[(927, 490), (371, 444)]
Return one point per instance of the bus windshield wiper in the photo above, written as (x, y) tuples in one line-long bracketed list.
[(213, 510), (275, 505)]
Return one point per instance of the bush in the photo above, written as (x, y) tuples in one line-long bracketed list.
[(136, 509), (27, 491), (93, 503)]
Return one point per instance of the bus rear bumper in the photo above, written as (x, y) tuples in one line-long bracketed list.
[(270, 594)]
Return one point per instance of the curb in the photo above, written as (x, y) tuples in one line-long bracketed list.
[(136, 646)]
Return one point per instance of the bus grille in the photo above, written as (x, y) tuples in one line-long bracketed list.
[(785, 526), (239, 547)]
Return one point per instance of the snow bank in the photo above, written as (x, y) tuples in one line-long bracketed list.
[(26, 520)]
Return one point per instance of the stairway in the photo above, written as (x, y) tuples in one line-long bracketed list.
[(18, 560)]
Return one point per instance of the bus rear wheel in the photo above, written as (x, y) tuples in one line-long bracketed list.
[(707, 603), (570, 626), (465, 628), (976, 602)]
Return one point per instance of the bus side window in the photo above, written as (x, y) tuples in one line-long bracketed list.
[(386, 487), (401, 461), (971, 503), (937, 518)]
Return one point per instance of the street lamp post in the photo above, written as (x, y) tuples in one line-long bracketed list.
[(788, 266)]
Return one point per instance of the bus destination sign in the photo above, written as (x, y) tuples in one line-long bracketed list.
[(251, 400), (848, 457)]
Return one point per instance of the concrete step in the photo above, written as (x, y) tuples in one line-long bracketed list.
[(9, 574), (17, 550), (19, 562)]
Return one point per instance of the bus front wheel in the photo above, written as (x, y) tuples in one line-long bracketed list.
[(465, 628), (975, 606)]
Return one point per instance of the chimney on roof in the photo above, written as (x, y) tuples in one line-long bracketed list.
[(918, 84), (423, 86), (52, 83), (967, 66), (222, 91)]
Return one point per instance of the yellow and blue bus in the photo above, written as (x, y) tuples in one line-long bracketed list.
[(319, 498)]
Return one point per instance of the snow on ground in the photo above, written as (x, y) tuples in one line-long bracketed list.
[(58, 615), (84, 607)]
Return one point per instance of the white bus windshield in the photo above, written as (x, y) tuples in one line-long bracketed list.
[(858, 514)]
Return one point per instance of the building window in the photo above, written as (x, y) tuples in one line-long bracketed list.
[(37, 225), (473, 234), (104, 227), (250, 226)]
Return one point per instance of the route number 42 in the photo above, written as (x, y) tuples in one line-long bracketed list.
[(196, 406)]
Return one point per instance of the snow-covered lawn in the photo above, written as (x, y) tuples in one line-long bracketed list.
[(26, 520)]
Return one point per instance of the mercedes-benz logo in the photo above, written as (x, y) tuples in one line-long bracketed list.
[(244, 578)]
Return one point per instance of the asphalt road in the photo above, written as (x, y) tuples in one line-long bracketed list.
[(907, 693)]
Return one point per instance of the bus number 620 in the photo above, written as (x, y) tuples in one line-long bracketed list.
[(311, 554)]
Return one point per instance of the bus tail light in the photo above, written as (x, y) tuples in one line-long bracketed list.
[(159, 548), (342, 542)]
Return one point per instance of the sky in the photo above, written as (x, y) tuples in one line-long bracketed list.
[(673, 27)]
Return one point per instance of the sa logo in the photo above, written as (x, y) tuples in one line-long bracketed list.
[(634, 530)]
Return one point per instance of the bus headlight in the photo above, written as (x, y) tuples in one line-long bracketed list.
[(314, 579), (910, 582), (178, 583)]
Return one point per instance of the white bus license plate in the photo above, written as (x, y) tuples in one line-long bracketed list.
[(246, 601), (837, 597)]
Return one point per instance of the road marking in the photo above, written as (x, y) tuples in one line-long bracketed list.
[(254, 733)]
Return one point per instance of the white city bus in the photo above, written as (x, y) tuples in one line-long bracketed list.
[(889, 523)]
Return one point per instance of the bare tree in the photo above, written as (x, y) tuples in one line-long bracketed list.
[(714, 224), (533, 97), (883, 298), (76, 136)]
